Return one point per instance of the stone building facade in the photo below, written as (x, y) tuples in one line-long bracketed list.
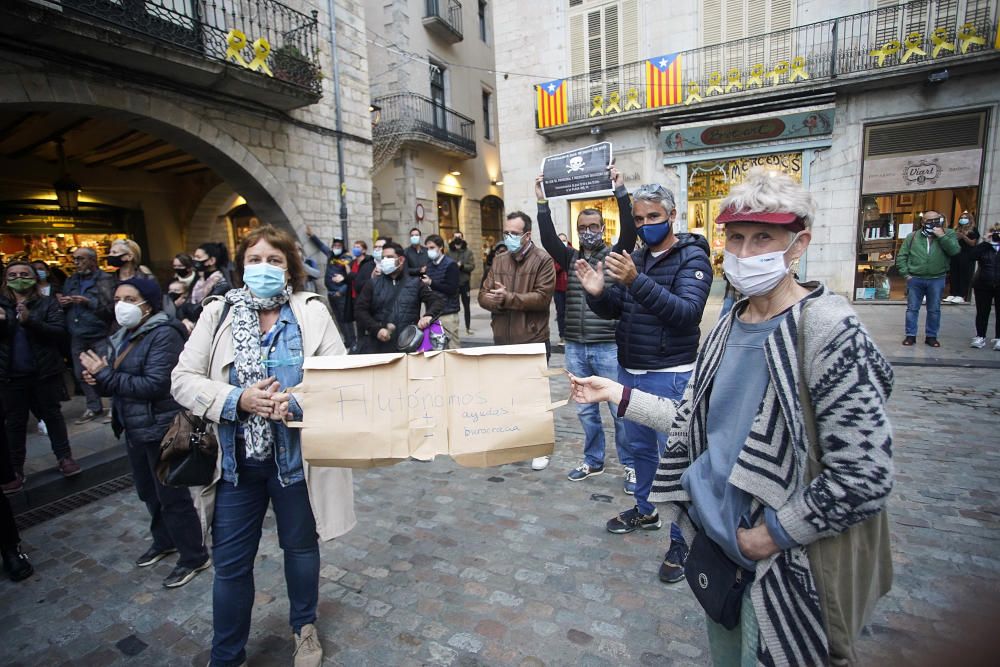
[(852, 114), (166, 134)]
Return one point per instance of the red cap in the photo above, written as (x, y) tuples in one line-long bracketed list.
[(789, 220)]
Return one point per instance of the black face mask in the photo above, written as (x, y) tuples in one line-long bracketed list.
[(116, 261), (995, 237), (182, 273), (199, 265), (174, 295), (457, 245)]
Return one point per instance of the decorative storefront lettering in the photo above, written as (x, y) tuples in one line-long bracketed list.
[(922, 172)]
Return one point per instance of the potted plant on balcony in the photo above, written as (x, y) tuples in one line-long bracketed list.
[(289, 64)]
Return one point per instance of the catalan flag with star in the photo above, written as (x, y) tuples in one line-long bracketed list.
[(551, 102), (663, 81)]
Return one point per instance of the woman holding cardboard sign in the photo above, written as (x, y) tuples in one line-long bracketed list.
[(236, 371)]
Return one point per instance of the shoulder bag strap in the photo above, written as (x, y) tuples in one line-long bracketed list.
[(128, 348), (808, 413)]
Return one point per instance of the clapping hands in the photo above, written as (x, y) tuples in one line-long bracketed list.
[(265, 399)]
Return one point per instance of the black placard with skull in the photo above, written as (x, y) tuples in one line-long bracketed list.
[(583, 171)]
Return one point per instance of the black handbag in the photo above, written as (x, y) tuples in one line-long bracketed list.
[(188, 453), (716, 581)]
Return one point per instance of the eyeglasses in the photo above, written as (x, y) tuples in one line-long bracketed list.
[(589, 228)]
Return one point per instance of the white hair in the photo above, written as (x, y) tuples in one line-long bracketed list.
[(771, 191)]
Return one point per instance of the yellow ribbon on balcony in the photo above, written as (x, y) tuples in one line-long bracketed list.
[(614, 103), (968, 36), (714, 83), (236, 41), (798, 69), (940, 40), (694, 93), (261, 49), (735, 79), (756, 76), (780, 70), (913, 42), (888, 49), (598, 102), (632, 99)]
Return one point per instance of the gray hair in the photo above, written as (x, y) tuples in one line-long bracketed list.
[(656, 194), (87, 250), (771, 191)]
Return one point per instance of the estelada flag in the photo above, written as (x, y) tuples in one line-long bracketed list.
[(551, 102), (663, 81)]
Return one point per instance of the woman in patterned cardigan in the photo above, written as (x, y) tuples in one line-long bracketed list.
[(736, 464)]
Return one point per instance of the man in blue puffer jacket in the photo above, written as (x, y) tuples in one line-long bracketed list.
[(658, 297)]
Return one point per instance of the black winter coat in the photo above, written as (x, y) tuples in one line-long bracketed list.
[(396, 300), (47, 335), (444, 280), (989, 266), (582, 324), (140, 387), (660, 311)]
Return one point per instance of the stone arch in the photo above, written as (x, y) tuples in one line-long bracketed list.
[(160, 116), (209, 222)]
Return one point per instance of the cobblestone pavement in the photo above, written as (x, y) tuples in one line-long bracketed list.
[(506, 566)]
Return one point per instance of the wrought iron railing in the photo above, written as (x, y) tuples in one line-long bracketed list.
[(908, 34), (410, 113), (449, 11), (262, 35)]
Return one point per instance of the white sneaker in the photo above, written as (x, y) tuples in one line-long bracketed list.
[(540, 463), (978, 342), (957, 299), (42, 428), (996, 344), (947, 299)]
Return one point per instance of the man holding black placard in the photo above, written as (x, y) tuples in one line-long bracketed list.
[(658, 295)]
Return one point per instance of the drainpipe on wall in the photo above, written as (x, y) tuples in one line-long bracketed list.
[(339, 121)]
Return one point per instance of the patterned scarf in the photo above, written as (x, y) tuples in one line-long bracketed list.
[(249, 361)]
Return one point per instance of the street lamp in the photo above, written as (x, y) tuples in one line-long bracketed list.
[(67, 190), (376, 113)]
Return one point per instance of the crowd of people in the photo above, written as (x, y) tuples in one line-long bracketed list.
[(762, 447)]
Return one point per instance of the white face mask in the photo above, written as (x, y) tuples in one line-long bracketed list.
[(128, 314), (753, 276), (388, 265)]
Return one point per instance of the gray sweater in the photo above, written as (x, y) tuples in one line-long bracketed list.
[(849, 382)]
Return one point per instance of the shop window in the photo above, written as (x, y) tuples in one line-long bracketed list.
[(709, 183), (886, 222), (447, 214)]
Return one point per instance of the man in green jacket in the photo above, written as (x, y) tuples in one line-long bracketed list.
[(924, 260)]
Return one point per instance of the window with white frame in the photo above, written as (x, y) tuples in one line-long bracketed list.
[(603, 35)]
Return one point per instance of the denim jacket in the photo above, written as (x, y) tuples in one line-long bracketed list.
[(283, 359)]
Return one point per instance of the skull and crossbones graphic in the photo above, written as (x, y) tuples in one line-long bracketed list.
[(575, 163)]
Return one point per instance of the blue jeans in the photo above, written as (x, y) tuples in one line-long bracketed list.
[(916, 290), (646, 444), (584, 360), (236, 532)]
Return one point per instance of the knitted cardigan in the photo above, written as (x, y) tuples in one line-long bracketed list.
[(849, 383)]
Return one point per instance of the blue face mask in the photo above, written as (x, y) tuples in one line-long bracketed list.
[(356, 251), (264, 280), (512, 241), (653, 235), (42, 274)]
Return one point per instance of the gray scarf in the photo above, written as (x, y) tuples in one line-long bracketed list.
[(249, 361)]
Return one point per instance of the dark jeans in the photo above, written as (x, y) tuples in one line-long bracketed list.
[(236, 532), (9, 536), (41, 396), (338, 305), (960, 275), (916, 290), (560, 299), (987, 298), (78, 345), (174, 523), (464, 292)]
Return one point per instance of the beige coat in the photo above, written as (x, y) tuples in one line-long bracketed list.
[(200, 382)]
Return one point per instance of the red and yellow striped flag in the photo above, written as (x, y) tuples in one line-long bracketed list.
[(663, 81), (551, 103)]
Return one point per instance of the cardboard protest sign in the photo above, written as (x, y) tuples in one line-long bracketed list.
[(481, 406), (582, 171)]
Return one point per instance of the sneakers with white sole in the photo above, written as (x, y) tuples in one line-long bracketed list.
[(540, 463), (979, 342), (308, 650), (583, 471), (996, 344)]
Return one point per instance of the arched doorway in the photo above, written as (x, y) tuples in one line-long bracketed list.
[(491, 216)]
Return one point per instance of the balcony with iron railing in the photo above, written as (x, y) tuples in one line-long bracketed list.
[(444, 19), (413, 118), (894, 41), (250, 43)]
